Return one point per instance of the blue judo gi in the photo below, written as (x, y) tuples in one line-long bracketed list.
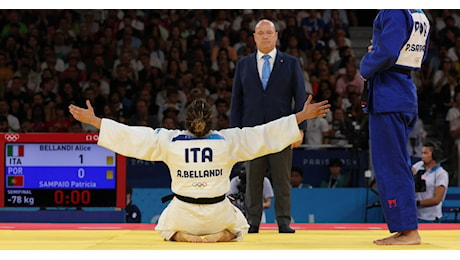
[(399, 45)]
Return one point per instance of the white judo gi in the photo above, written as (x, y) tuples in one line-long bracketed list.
[(199, 168)]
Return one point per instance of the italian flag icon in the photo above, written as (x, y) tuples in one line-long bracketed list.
[(16, 181), (15, 150)]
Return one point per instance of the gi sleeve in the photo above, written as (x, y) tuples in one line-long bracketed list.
[(131, 141), (251, 142)]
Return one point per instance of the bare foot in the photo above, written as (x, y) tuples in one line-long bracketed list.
[(379, 241), (222, 236), (409, 237), (184, 237)]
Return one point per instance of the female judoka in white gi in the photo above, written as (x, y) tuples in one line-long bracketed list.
[(200, 161)]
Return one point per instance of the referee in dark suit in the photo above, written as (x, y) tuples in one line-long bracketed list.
[(261, 95)]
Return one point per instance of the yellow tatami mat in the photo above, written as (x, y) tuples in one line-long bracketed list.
[(308, 237)]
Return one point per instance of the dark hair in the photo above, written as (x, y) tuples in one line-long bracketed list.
[(335, 162), (129, 189), (198, 118), (297, 169), (436, 150)]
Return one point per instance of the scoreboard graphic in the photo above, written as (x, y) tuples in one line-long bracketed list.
[(60, 170)]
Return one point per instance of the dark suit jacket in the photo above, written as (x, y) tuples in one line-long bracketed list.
[(251, 105)]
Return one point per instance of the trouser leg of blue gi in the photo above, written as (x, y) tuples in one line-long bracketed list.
[(389, 133)]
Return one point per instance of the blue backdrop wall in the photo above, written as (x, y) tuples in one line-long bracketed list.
[(314, 163), (319, 205)]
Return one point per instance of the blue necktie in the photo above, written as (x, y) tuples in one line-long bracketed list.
[(265, 70)]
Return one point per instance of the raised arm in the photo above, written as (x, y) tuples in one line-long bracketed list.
[(86, 116), (319, 109)]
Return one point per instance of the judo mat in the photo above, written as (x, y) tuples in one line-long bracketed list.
[(94, 240)]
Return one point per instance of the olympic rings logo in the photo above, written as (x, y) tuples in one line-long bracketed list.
[(11, 137), (199, 185)]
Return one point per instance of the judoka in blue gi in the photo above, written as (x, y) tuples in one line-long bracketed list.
[(399, 46)]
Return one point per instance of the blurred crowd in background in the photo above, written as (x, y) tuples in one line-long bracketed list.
[(142, 67)]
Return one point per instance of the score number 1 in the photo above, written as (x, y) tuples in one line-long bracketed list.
[(81, 171)]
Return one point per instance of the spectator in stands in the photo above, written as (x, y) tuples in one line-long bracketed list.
[(127, 57), (313, 23), (222, 56), (297, 178), (352, 76), (38, 118), (325, 91), (76, 127), (441, 14), (73, 73), (444, 101), (4, 126), (70, 92), (336, 19), (339, 128), (17, 90), (60, 121), (128, 40), (109, 42), (172, 101), (294, 43), (292, 28), (454, 52), (89, 23), (18, 108), (453, 118), (448, 34), (99, 61), (241, 44), (132, 211), (222, 121), (122, 79), (174, 55), (14, 20), (161, 98), (176, 40), (142, 114), (13, 121), (11, 46), (169, 122), (335, 177), (205, 93), (155, 50), (441, 75), (28, 77), (321, 72), (68, 21), (56, 65), (226, 45), (221, 106), (317, 132), (6, 73), (62, 45)]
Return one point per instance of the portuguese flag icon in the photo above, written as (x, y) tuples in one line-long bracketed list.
[(15, 150), (16, 181)]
